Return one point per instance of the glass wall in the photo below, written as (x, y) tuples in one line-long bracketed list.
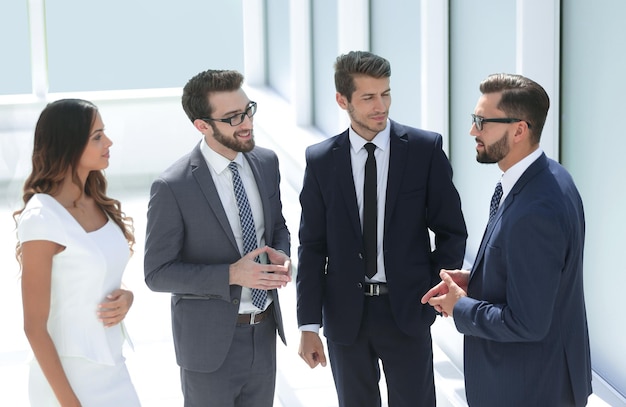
[(395, 35), (15, 77), (279, 47), (325, 51), (476, 51), (139, 44), (592, 149)]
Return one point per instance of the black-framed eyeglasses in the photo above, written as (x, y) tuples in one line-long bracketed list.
[(479, 120), (237, 119)]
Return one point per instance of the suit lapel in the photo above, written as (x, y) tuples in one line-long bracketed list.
[(263, 192), (202, 175), (398, 153), (539, 165), (342, 164)]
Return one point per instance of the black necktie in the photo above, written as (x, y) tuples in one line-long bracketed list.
[(495, 201), (370, 212)]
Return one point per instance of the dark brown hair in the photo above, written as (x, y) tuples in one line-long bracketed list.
[(61, 135), (196, 92), (522, 98), (355, 63)]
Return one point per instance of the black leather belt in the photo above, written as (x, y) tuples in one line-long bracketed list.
[(375, 289), (253, 319)]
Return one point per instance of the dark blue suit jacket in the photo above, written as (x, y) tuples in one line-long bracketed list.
[(524, 320), (420, 196)]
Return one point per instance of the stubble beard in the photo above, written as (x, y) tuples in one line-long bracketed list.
[(363, 125), (495, 152)]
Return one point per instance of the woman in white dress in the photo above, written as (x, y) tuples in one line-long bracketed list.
[(73, 245)]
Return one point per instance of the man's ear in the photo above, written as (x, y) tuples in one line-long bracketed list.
[(201, 125), (342, 101), (522, 132)]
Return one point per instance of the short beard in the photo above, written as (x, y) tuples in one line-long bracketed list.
[(232, 142), (495, 152), (361, 124)]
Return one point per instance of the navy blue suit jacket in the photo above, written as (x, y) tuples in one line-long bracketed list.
[(524, 320), (420, 196)]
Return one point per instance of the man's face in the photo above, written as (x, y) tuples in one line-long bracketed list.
[(225, 139), (493, 141), (369, 107)]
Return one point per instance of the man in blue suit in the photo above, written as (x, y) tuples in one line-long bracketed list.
[(522, 307), (363, 268)]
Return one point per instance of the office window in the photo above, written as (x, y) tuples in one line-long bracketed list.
[(395, 35), (325, 51), (592, 149), (139, 44), (279, 47), (476, 50), (14, 48)]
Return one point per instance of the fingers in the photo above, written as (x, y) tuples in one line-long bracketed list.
[(311, 349), (111, 316), (437, 290), (447, 279), (114, 310)]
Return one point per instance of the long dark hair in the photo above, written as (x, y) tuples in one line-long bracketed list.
[(61, 135)]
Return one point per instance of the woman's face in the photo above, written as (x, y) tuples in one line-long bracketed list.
[(96, 154)]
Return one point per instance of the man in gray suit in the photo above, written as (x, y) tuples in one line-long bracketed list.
[(201, 246)]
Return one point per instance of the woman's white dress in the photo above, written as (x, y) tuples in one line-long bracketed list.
[(90, 268)]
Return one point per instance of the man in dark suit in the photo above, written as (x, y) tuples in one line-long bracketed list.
[(222, 259), (522, 308), (368, 299)]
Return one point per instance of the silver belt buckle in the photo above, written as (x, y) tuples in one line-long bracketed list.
[(252, 318), (373, 290)]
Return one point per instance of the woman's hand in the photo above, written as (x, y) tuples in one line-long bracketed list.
[(114, 309)]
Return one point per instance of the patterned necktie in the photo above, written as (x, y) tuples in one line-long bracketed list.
[(370, 212), (247, 229), (495, 201)]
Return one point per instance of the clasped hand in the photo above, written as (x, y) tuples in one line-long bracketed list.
[(444, 296)]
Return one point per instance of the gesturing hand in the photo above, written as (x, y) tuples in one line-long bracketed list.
[(248, 273), (444, 295)]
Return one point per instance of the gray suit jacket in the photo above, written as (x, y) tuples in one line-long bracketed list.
[(190, 246)]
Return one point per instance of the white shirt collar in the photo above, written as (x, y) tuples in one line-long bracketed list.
[(217, 161), (510, 177), (381, 140)]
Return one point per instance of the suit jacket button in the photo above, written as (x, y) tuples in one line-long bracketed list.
[(361, 256), (360, 285), (236, 301)]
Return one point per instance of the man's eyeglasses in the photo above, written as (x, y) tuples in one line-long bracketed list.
[(237, 119), (479, 120)]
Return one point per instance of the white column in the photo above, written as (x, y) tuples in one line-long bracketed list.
[(435, 67), (353, 20), (38, 48), (254, 42), (537, 58), (301, 63)]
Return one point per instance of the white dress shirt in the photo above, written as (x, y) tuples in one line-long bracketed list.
[(513, 174), (358, 156), (223, 180)]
